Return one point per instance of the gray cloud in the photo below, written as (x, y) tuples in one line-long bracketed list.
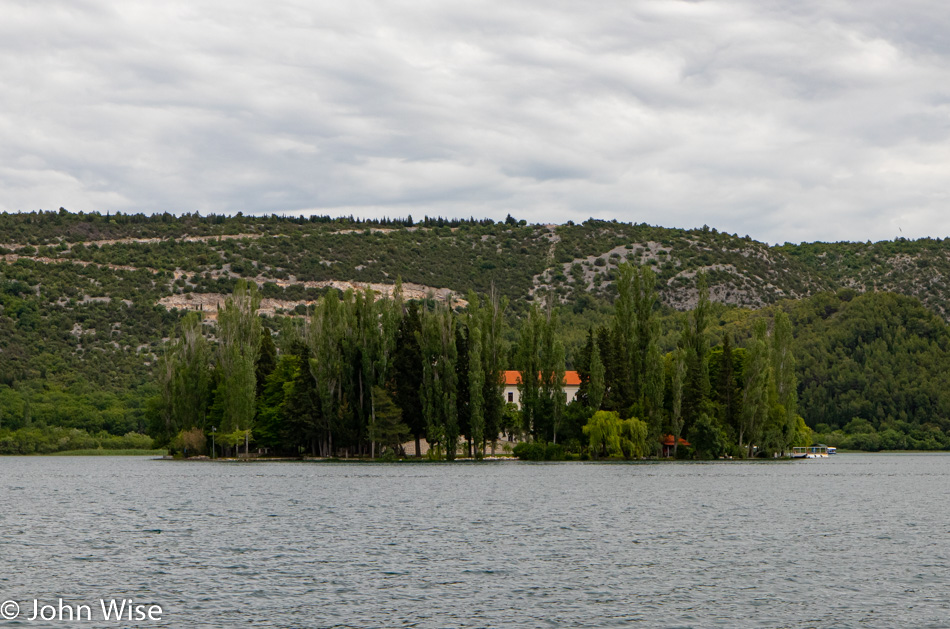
[(814, 120)]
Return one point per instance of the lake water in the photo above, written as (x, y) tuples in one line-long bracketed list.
[(852, 541)]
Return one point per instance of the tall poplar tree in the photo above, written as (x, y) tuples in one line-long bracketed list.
[(541, 366), (389, 315), (596, 386), (438, 392), (476, 375), (625, 345), (239, 342), (696, 383), (727, 390), (493, 363), (678, 376), (552, 372), (755, 394), (786, 383), (528, 359), (325, 338)]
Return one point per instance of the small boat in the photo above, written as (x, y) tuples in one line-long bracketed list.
[(832, 450), (811, 452)]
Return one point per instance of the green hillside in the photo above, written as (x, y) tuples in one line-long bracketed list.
[(87, 300)]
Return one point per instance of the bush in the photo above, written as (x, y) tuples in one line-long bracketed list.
[(189, 442), (47, 440), (539, 451), (708, 438)]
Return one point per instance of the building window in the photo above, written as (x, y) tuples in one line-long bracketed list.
[(511, 396)]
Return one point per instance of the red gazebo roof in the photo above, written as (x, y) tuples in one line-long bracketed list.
[(667, 440)]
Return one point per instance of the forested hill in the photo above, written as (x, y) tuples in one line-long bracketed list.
[(578, 261), (86, 300)]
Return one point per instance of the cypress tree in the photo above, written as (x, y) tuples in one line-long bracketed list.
[(596, 382), (407, 374)]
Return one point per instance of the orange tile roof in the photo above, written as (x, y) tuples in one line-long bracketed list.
[(571, 378), (667, 440)]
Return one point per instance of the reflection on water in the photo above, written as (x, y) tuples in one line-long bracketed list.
[(855, 540)]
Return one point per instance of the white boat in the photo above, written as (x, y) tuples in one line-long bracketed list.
[(811, 452)]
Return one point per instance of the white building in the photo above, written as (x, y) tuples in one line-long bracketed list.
[(572, 384)]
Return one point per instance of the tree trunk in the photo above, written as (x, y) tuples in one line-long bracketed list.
[(418, 448)]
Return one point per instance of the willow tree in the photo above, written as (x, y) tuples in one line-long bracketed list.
[(192, 380), (239, 342), (184, 376)]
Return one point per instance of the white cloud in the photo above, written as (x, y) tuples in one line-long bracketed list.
[(786, 121)]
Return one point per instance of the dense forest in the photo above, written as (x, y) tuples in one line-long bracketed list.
[(92, 305), (362, 375)]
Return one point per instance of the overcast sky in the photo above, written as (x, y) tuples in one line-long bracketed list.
[(785, 120)]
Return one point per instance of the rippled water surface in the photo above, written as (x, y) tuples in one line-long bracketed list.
[(853, 541)]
